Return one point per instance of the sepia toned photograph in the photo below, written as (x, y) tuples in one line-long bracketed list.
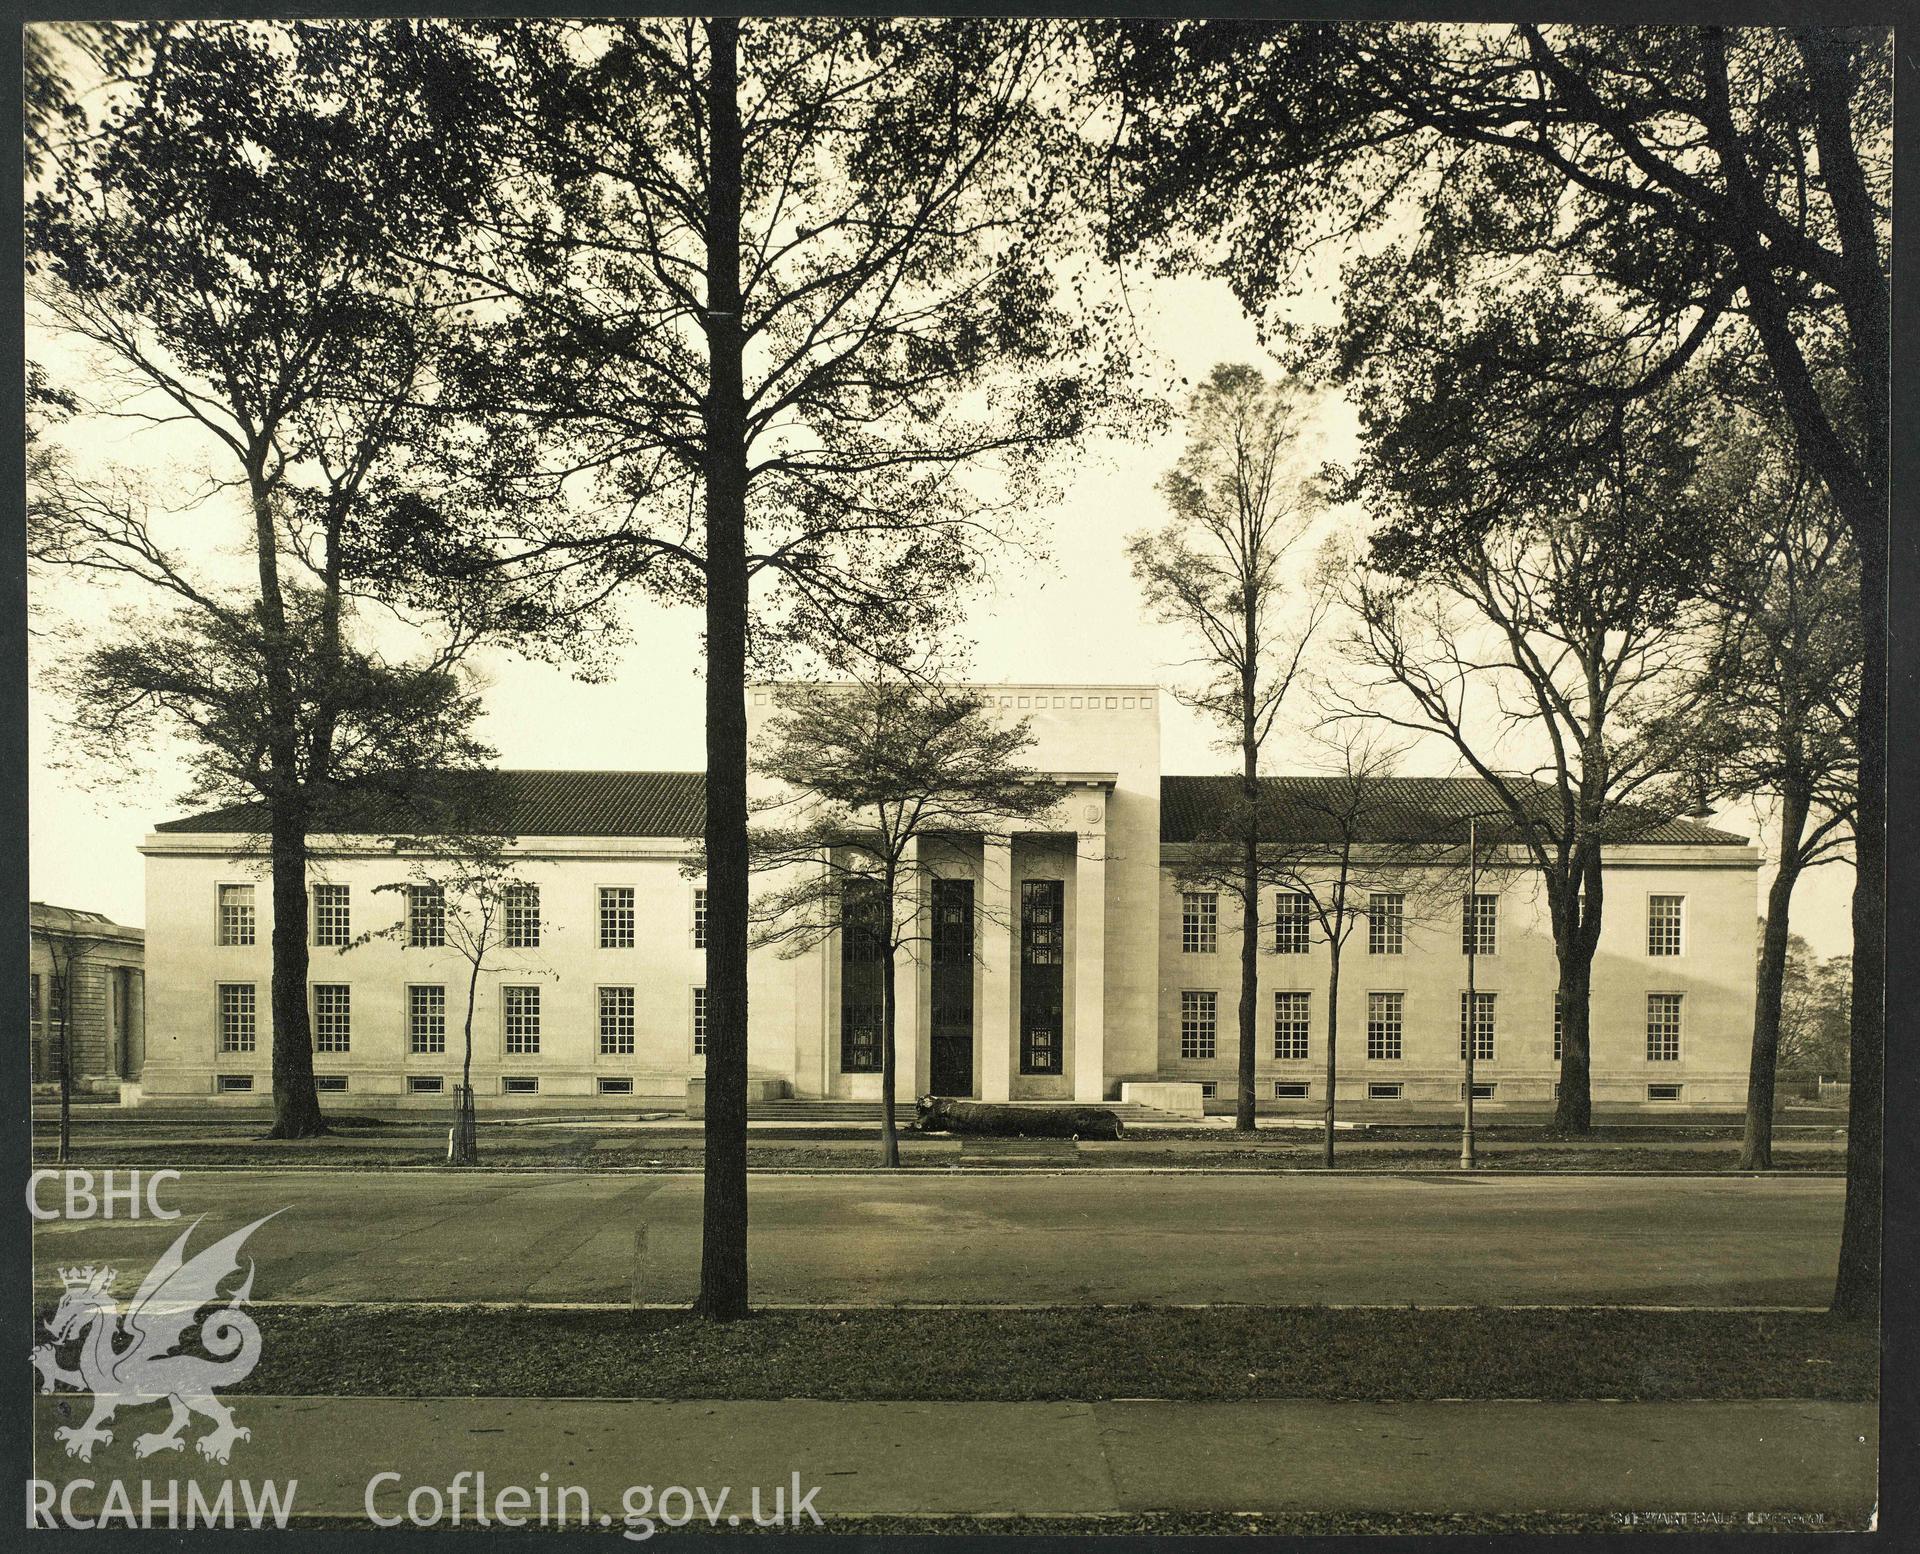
[(973, 776)]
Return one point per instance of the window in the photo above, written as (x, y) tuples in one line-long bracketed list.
[(1209, 1089), (1663, 924), (699, 1022), (1480, 1092), (332, 1017), (1663, 1092), (1479, 922), (1040, 1050), (1663, 1027), (1042, 951), (521, 929), (614, 1084), (426, 1084), (951, 990), (1559, 1033), (1383, 1025), (329, 1081), (238, 1011), (1380, 1092), (236, 914), (1042, 908), (1290, 1089), (1198, 1024), (616, 1022), (1199, 922), (616, 917), (1386, 923), (1290, 1026), (1292, 923), (521, 1007), (426, 1019), (699, 917), (426, 917), (519, 1084), (332, 924), (862, 945), (1482, 1027), (234, 1084)]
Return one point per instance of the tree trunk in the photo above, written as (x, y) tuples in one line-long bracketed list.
[(1756, 1145), (1333, 1042), (889, 1134), (1857, 1287), (1573, 1111), (464, 1151), (1249, 935), (296, 1102), (723, 1241), (1858, 485)]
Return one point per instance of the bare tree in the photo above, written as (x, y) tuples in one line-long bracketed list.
[(774, 305), (464, 893), (875, 776), (1219, 569), (1774, 711), (1341, 851), (1539, 654)]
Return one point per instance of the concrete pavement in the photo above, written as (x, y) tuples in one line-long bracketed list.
[(560, 1236), (1041, 1458)]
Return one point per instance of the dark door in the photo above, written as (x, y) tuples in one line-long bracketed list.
[(951, 1059)]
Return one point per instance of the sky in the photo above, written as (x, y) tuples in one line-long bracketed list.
[(1076, 618)]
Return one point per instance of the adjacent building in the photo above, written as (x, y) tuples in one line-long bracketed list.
[(86, 987), (1064, 959)]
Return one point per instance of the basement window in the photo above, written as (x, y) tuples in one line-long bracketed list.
[(1663, 1092), (1383, 1092), (426, 1084), (329, 1081), (1289, 1090), (1209, 1089), (612, 1086), (1480, 1092), (234, 1084), (520, 1084)]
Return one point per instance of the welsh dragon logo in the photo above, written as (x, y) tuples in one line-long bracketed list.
[(131, 1358)]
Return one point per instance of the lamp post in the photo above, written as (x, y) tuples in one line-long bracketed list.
[(1470, 1016)]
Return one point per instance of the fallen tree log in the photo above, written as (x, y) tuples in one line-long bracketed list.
[(939, 1114)]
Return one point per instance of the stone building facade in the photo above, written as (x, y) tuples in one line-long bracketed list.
[(1068, 963), (102, 964)]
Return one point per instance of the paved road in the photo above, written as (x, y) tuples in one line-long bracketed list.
[(565, 1236)]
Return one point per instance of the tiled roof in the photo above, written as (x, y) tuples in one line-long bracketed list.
[(518, 803), (673, 804), (1393, 809)]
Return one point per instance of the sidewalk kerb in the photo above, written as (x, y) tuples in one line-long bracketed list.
[(338, 1301), (335, 1168)]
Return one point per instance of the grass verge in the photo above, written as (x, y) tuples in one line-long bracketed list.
[(1066, 1353)]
